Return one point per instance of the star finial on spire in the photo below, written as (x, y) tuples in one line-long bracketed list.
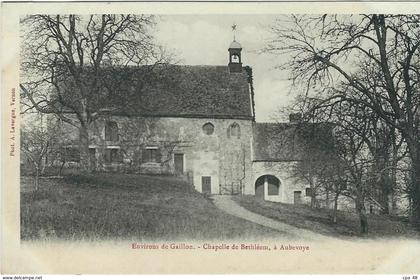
[(234, 29)]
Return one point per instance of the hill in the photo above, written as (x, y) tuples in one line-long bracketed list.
[(126, 206)]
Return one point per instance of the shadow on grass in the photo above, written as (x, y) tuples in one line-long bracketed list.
[(320, 220)]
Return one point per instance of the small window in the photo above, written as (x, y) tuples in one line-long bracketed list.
[(208, 128), (111, 131), (308, 192), (151, 154), (234, 131), (113, 155)]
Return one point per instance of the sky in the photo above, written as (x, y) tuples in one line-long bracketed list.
[(204, 40)]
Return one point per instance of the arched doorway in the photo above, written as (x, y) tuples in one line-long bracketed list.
[(273, 185)]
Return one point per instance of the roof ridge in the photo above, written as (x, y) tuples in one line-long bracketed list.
[(273, 123)]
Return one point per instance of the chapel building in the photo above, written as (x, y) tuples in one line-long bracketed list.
[(198, 123)]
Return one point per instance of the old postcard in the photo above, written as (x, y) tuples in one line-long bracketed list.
[(202, 138)]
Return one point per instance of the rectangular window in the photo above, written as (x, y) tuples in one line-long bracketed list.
[(308, 192), (113, 155), (151, 154), (111, 131)]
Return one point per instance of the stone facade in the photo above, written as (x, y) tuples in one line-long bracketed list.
[(197, 122), (290, 189), (220, 155), (228, 159)]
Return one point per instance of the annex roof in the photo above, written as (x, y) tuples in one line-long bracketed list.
[(290, 141)]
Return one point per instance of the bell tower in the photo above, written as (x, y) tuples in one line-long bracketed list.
[(235, 62)]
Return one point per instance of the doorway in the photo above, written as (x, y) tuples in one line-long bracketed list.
[(297, 197), (179, 163), (206, 184)]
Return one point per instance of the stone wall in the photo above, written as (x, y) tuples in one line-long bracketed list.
[(288, 183), (226, 159)]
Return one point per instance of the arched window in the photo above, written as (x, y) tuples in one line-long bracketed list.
[(235, 58), (208, 128), (234, 131), (111, 131)]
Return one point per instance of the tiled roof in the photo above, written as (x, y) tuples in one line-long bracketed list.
[(290, 141), (186, 91)]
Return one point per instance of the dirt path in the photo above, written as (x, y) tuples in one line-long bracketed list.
[(225, 203)]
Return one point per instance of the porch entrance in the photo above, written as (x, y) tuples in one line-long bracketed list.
[(273, 186)]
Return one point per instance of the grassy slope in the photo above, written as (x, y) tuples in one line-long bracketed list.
[(108, 206), (319, 220)]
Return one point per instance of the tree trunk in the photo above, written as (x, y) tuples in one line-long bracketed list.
[(43, 166), (312, 187), (36, 178), (383, 185), (361, 210), (60, 171), (393, 177), (414, 193), (85, 163), (384, 195), (335, 208), (416, 187), (327, 199)]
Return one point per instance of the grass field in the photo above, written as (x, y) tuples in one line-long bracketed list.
[(126, 206), (319, 220)]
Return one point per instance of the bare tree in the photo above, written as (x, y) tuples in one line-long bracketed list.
[(356, 164), (317, 152), (334, 183), (72, 66), (36, 143), (368, 60)]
